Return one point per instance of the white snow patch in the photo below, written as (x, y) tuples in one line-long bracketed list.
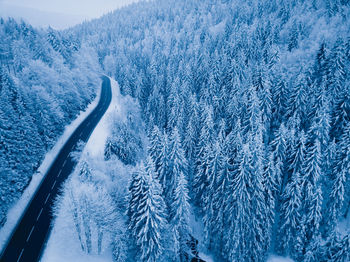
[(197, 229), (63, 243), (205, 257), (274, 258), (218, 29), (15, 212)]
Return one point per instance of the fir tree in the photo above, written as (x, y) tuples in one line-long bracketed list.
[(155, 146), (203, 151), (311, 192), (279, 101), (148, 219), (181, 211), (340, 187), (291, 215), (337, 71), (248, 239), (278, 147), (270, 193), (343, 252), (240, 218), (177, 165), (297, 103), (164, 162), (214, 169)]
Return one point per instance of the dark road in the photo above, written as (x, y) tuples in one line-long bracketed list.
[(30, 235)]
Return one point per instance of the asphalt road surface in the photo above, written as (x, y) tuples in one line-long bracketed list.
[(31, 233)]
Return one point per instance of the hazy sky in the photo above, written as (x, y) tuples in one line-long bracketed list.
[(58, 13)]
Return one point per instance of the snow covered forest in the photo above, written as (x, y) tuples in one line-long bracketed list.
[(46, 79), (246, 107)]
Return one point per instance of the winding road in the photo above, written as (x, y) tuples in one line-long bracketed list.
[(28, 239)]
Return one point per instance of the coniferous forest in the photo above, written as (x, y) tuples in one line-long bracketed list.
[(46, 79), (246, 110)]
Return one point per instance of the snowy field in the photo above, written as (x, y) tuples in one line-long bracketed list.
[(18, 208)]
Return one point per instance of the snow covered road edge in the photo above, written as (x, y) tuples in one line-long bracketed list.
[(62, 244), (16, 211)]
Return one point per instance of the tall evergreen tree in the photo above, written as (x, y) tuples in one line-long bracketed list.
[(148, 214), (209, 207), (270, 193), (339, 201), (279, 101), (200, 182), (177, 165), (311, 191), (180, 219), (164, 162), (343, 250), (247, 236), (278, 148), (155, 146), (297, 103), (291, 216), (337, 71)]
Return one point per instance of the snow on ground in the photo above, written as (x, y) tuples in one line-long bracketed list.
[(18, 208), (197, 229), (95, 146), (63, 243), (205, 257), (274, 258), (343, 227)]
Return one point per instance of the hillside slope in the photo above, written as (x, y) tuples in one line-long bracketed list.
[(255, 95), (247, 109)]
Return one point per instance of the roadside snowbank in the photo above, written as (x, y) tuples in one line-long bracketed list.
[(63, 243), (16, 211), (96, 143)]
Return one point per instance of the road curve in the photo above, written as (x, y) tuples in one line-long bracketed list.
[(30, 235)]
